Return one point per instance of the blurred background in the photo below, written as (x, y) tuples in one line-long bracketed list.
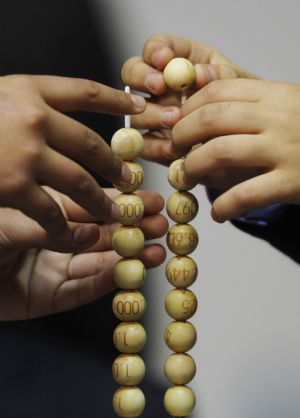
[(248, 350)]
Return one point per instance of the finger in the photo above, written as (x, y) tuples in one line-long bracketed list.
[(141, 76), (214, 120), (71, 94), (91, 276), (69, 178), (157, 117), (226, 178), (159, 150), (21, 232), (80, 143), (228, 151), (161, 48), (153, 203), (250, 91), (252, 194), (206, 73)]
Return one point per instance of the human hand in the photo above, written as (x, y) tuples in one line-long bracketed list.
[(36, 282), (255, 131), (144, 73), (39, 146)]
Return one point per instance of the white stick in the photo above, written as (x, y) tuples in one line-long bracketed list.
[(127, 119)]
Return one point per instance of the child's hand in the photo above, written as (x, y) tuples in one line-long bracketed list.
[(250, 131), (163, 111), (39, 146), (36, 282)]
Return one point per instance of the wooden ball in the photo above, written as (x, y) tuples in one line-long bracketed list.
[(128, 241), (131, 208), (182, 207), (128, 370), (180, 368), (182, 239), (181, 271), (129, 305), (129, 273), (127, 143), (176, 176), (129, 337), (179, 74), (181, 304), (137, 178), (129, 402), (179, 401), (180, 336)]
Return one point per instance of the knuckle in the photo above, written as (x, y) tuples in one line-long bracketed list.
[(91, 89), (84, 184), (211, 113), (15, 185), (92, 142), (220, 151), (34, 117), (211, 90)]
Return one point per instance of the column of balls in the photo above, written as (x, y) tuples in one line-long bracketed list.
[(129, 273), (181, 270)]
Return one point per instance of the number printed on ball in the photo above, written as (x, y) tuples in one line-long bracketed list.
[(129, 402), (180, 336), (182, 207), (131, 208), (129, 305), (129, 337), (182, 239), (128, 369), (181, 304), (176, 176), (181, 271), (137, 178)]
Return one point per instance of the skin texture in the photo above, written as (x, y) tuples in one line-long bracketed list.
[(38, 146), (39, 277), (240, 133)]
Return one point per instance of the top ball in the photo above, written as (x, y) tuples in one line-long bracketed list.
[(179, 74)]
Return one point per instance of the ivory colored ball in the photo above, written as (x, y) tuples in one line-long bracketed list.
[(179, 74), (128, 241), (131, 208), (182, 239), (129, 402), (182, 207), (129, 273), (129, 305), (128, 369), (181, 271), (129, 337), (180, 336), (137, 178), (176, 176), (181, 304), (179, 401), (180, 368), (127, 143)]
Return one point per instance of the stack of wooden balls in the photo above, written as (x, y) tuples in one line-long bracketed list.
[(181, 270), (129, 273)]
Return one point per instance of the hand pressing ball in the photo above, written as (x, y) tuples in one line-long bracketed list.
[(179, 74), (127, 143)]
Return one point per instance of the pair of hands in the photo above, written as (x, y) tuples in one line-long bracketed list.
[(249, 129)]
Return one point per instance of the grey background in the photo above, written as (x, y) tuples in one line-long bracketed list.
[(248, 350)]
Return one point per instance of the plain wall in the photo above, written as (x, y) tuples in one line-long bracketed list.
[(248, 350)]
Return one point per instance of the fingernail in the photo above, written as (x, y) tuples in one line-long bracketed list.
[(126, 174), (170, 117), (82, 234), (152, 81), (115, 212), (138, 101)]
